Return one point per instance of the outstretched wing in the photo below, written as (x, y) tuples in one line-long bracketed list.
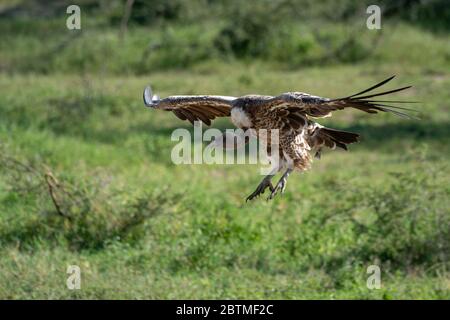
[(191, 108), (322, 107)]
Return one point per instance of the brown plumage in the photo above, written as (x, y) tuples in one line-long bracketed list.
[(291, 113)]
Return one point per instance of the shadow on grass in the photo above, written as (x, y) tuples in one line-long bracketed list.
[(417, 131)]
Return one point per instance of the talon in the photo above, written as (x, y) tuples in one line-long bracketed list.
[(281, 185), (266, 183), (273, 193)]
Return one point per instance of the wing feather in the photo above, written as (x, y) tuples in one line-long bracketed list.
[(203, 115), (321, 107), (192, 108), (189, 115), (179, 114)]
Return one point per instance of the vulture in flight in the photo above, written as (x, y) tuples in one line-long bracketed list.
[(293, 114)]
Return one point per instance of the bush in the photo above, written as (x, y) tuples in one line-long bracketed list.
[(147, 12), (81, 214)]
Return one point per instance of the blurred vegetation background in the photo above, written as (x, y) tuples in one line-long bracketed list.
[(86, 176), (182, 33)]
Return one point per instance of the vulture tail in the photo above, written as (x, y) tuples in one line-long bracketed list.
[(337, 138)]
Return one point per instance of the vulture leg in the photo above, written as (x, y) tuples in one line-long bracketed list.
[(281, 185), (265, 183)]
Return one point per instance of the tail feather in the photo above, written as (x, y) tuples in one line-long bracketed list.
[(332, 138), (339, 136)]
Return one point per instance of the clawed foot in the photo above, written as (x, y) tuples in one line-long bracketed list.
[(266, 183), (281, 186)]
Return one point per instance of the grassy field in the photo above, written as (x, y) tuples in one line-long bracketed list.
[(141, 227)]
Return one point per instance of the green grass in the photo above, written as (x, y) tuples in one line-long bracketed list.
[(385, 202), (141, 227)]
